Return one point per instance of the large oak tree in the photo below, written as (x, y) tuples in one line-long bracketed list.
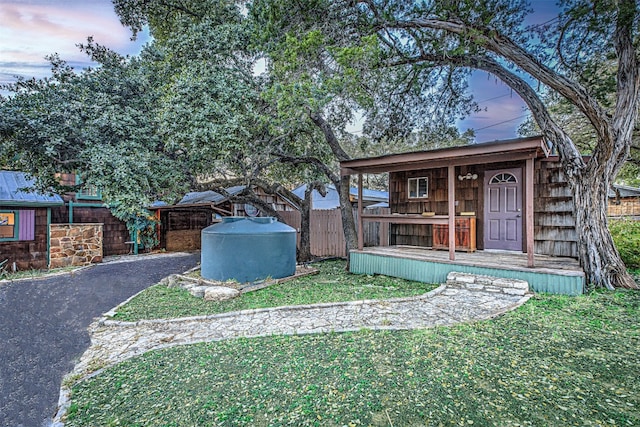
[(489, 35)]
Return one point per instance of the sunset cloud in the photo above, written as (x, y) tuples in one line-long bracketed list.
[(31, 30)]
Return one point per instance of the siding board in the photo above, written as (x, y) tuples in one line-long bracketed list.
[(27, 224), (28, 254), (553, 205)]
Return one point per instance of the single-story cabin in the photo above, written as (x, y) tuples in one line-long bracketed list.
[(181, 224), (24, 223), (506, 201)]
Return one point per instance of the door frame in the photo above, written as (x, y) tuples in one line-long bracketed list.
[(518, 173)]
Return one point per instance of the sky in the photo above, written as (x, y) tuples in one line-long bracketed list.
[(32, 29)]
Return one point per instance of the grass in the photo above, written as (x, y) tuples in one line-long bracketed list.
[(33, 274), (556, 361), (332, 284), (626, 236)]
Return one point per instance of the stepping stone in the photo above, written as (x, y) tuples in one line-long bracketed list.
[(220, 293)]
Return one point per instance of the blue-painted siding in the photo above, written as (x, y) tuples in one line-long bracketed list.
[(435, 272)]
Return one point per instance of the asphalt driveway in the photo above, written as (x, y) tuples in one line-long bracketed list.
[(43, 328)]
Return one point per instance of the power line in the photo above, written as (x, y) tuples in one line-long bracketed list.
[(533, 27), (501, 123), (495, 97)]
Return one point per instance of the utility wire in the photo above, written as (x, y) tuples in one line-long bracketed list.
[(500, 123), (495, 97)]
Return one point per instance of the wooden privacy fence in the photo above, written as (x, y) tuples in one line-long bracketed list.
[(327, 236), (624, 207)]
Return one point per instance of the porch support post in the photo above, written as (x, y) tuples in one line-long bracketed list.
[(529, 210), (452, 211), (360, 211)]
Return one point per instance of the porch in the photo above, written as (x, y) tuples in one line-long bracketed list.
[(558, 275)]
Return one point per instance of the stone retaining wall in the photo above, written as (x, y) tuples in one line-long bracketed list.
[(75, 244)]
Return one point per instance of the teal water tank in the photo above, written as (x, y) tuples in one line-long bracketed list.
[(248, 249)]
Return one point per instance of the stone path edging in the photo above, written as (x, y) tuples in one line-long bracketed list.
[(114, 341)]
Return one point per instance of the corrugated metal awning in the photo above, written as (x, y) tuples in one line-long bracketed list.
[(12, 185)]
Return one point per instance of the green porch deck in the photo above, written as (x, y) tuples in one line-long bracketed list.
[(554, 275)]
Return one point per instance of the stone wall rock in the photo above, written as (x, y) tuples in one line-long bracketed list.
[(75, 244)]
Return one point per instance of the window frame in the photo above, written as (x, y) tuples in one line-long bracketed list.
[(16, 225), (80, 195), (417, 187), (495, 181)]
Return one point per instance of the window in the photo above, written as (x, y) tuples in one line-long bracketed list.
[(90, 192), (418, 187), (503, 178), (8, 225)]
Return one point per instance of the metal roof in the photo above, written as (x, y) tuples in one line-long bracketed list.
[(11, 184), (625, 191), (332, 199), (202, 197)]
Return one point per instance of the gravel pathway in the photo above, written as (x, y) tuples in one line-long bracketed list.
[(465, 298), (115, 341)]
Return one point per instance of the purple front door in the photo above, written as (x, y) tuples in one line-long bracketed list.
[(503, 209)]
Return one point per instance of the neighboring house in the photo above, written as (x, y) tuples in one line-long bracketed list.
[(624, 201), (332, 199), (24, 222), (86, 207), (505, 196), (181, 224)]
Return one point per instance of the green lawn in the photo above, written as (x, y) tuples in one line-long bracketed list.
[(33, 274), (556, 361), (332, 284)]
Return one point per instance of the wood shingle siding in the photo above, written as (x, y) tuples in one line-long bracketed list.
[(554, 222), (30, 252)]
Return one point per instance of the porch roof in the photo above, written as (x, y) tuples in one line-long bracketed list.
[(488, 152)]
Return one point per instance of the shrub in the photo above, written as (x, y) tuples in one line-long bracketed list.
[(626, 236)]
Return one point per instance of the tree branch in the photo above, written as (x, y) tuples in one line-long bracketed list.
[(285, 158), (508, 49), (548, 126), (329, 135), (628, 85)]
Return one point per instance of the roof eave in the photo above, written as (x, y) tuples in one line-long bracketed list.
[(18, 204), (456, 156)]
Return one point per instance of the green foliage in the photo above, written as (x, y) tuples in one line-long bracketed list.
[(626, 236), (555, 361), (100, 124), (332, 284), (141, 224)]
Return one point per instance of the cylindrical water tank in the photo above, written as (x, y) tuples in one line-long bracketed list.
[(248, 249)]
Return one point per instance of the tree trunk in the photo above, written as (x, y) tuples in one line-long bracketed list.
[(597, 253), (304, 253), (346, 211), (342, 184)]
